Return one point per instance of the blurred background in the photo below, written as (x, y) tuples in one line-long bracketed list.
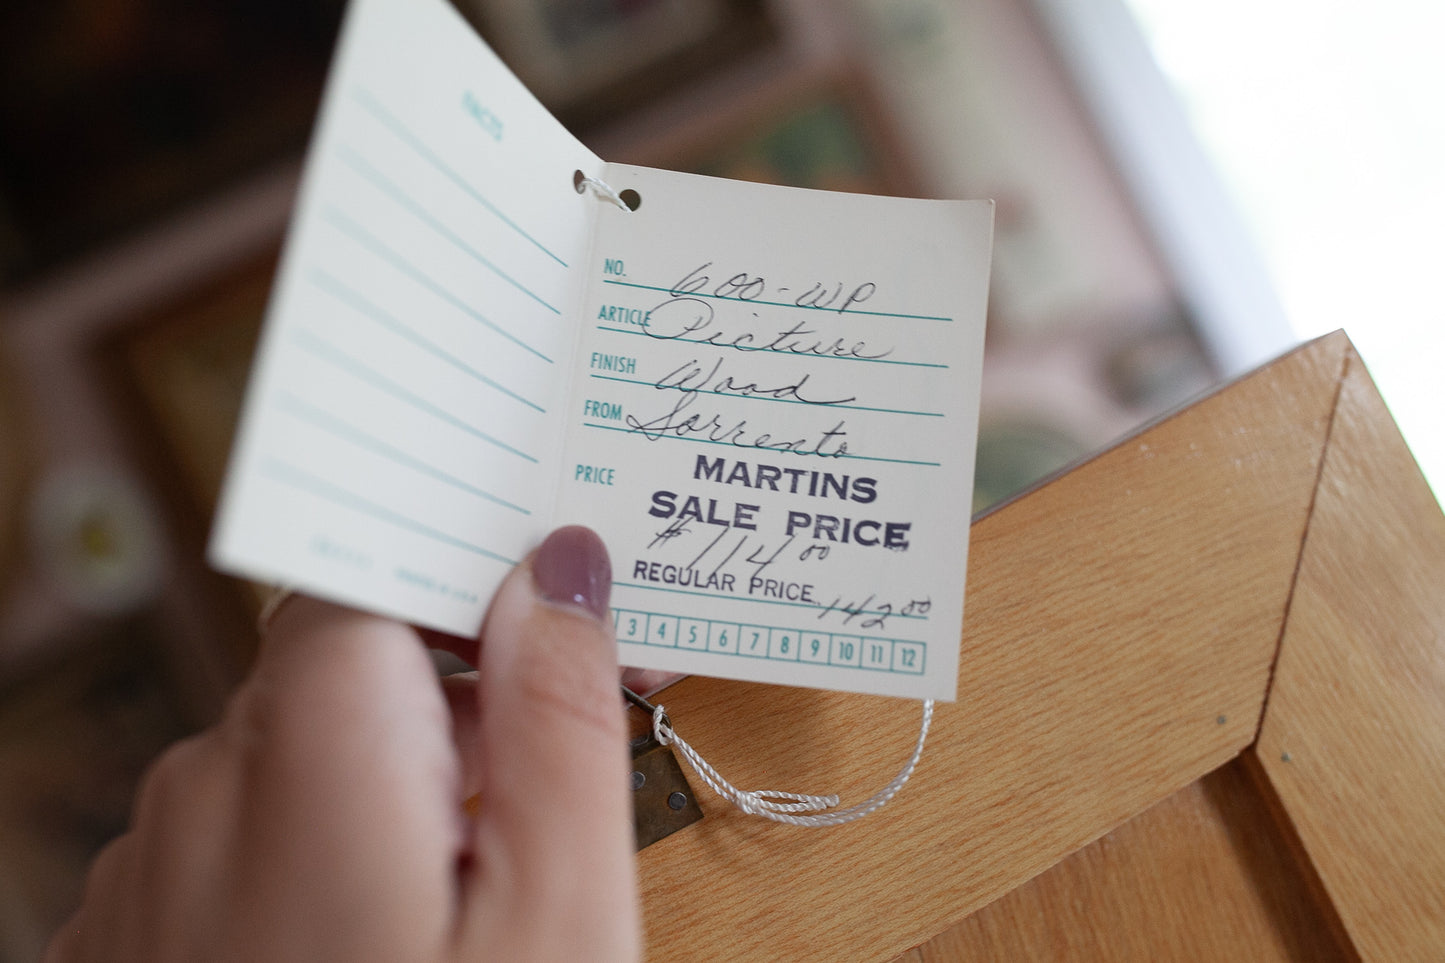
[(1184, 191)]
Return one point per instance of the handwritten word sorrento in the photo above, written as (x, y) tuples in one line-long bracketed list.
[(711, 427)]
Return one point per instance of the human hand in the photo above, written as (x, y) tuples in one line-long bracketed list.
[(323, 819)]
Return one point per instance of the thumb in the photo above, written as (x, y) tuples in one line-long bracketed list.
[(554, 839)]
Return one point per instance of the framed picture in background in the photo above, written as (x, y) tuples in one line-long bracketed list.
[(592, 60), (183, 370), (179, 374), (820, 127)]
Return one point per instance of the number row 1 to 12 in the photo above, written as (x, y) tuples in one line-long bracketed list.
[(768, 642)]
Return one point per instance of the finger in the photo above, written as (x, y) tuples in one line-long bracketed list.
[(173, 851), (100, 929), (181, 830), (554, 836), (351, 780)]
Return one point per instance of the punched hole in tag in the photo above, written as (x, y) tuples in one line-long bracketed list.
[(627, 198)]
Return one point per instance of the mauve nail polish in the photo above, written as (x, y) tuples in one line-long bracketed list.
[(572, 567)]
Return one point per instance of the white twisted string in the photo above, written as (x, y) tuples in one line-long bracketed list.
[(602, 189), (795, 809)]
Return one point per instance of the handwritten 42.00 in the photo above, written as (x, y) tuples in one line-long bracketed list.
[(878, 616)]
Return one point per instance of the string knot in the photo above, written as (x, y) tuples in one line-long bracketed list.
[(661, 726), (797, 809)]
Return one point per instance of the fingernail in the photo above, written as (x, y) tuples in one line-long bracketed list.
[(572, 568)]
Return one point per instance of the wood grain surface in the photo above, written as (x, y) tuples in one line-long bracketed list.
[(1353, 738), (1205, 876), (1120, 627)]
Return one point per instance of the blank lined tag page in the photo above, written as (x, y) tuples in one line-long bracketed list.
[(399, 447)]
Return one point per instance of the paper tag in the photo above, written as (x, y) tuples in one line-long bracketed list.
[(765, 400)]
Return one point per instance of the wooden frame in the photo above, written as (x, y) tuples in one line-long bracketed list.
[(1257, 577)]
